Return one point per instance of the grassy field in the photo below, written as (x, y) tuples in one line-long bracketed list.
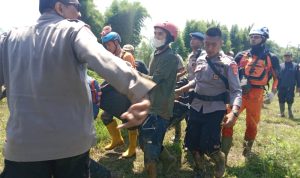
[(276, 150)]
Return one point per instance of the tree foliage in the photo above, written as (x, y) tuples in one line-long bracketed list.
[(144, 51), (127, 19), (91, 16), (179, 47)]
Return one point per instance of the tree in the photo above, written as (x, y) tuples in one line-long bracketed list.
[(179, 48), (226, 39), (91, 16), (127, 19), (192, 26), (144, 51)]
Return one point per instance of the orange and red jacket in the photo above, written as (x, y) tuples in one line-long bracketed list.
[(259, 72)]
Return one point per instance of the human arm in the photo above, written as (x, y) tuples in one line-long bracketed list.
[(129, 58), (116, 72), (275, 70), (298, 78), (185, 88), (181, 72), (235, 94)]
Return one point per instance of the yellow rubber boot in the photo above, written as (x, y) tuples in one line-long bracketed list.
[(132, 137), (116, 137)]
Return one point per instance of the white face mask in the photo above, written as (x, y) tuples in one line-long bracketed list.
[(158, 43)]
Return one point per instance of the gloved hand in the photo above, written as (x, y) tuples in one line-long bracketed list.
[(269, 98)]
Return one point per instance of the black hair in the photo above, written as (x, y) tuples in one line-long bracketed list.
[(214, 32)]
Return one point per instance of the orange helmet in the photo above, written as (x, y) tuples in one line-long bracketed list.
[(170, 27)]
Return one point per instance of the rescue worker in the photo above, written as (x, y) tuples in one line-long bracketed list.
[(216, 78), (288, 79), (50, 128), (112, 41), (128, 48), (256, 65), (140, 65), (162, 70)]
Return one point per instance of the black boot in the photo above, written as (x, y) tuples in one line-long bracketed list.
[(281, 107), (226, 145), (247, 146), (177, 136), (291, 116)]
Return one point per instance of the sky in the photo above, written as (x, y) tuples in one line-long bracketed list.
[(280, 16)]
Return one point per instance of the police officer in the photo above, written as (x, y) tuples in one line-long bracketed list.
[(215, 76), (288, 78), (256, 66), (50, 128), (196, 44), (180, 110)]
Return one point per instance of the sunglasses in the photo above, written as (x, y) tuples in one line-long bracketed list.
[(287, 55)]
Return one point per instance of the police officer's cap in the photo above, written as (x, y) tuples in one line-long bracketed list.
[(198, 35), (49, 4)]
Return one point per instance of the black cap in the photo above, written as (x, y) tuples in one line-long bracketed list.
[(198, 35), (49, 4)]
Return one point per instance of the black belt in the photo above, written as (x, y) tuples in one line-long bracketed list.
[(220, 97), (258, 86)]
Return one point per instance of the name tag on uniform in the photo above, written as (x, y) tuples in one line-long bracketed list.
[(215, 77)]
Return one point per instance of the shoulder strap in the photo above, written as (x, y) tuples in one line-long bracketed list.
[(224, 79)]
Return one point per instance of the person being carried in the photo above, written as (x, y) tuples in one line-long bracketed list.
[(112, 41)]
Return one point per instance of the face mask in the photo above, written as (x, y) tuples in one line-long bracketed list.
[(158, 43)]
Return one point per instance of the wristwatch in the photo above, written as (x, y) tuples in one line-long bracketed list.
[(235, 113)]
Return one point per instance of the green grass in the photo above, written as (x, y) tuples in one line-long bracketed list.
[(276, 150)]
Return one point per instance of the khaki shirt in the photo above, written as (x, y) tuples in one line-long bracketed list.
[(209, 84), (44, 69), (192, 62)]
